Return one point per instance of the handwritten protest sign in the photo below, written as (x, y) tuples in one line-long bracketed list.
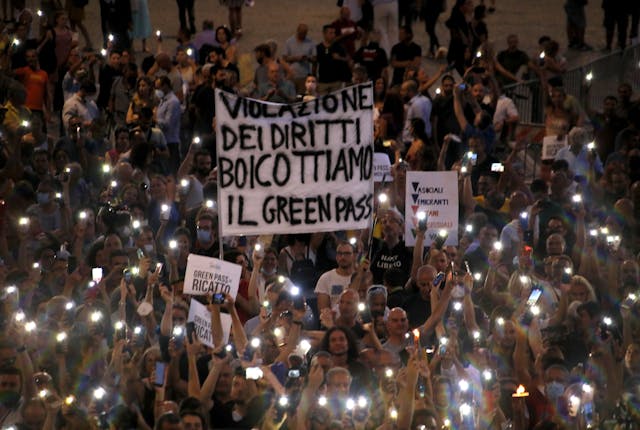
[(205, 275), (435, 194), (381, 167), (201, 318), (297, 168), (551, 145)]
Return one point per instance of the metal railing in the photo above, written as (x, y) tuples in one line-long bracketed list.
[(608, 72)]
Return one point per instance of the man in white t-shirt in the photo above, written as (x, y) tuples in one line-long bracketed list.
[(332, 283)]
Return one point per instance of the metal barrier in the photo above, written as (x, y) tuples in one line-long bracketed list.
[(608, 72)]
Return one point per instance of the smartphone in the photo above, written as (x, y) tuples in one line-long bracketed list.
[(128, 276), (438, 279), (534, 296), (463, 86), (253, 373), (298, 302), (217, 299), (497, 167), (587, 411), (96, 274), (294, 373), (160, 370), (72, 264), (443, 349), (140, 254), (119, 333), (422, 220), (191, 328), (421, 387)]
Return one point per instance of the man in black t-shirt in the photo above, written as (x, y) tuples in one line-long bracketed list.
[(391, 252), (373, 58), (442, 116), (331, 59), (510, 61), (404, 54)]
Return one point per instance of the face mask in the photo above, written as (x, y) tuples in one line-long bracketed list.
[(204, 236), (457, 292), (148, 248), (236, 416), (159, 94), (9, 399), (204, 171), (43, 198), (311, 87), (553, 390), (269, 273), (124, 231)]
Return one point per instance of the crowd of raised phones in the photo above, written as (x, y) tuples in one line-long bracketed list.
[(108, 184)]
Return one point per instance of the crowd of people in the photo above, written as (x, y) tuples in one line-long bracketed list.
[(108, 183)]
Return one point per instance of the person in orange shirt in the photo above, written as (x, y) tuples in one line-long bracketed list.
[(35, 82)]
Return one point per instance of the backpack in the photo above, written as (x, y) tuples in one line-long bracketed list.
[(303, 272)]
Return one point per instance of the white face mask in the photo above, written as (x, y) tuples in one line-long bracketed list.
[(148, 248), (236, 416)]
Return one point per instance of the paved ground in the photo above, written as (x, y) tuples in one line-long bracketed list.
[(277, 19)]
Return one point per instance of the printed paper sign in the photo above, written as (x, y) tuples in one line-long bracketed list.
[(201, 318), (435, 194), (297, 168), (551, 145), (381, 167), (206, 275)]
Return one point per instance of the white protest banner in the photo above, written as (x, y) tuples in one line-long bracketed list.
[(551, 145), (207, 275), (435, 194), (201, 318), (297, 168), (381, 167)]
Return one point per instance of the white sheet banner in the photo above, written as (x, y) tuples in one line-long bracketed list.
[(296, 168), (435, 194), (206, 275), (201, 318)]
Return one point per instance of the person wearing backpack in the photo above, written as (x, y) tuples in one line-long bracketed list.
[(297, 261)]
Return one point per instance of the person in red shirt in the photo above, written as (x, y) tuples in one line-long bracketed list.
[(35, 82)]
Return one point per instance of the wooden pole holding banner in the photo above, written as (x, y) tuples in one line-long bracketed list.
[(219, 206), (374, 214)]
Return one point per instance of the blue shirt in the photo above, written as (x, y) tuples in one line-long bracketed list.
[(579, 164), (418, 107), (168, 118)]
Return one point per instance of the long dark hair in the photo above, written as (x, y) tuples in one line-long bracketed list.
[(352, 343)]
